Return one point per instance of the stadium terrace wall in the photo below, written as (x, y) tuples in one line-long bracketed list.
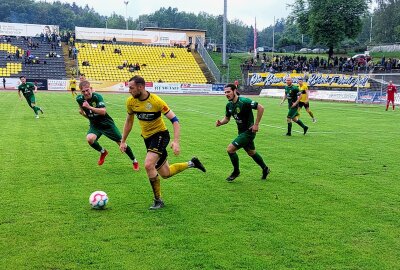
[(369, 97), (166, 88), (315, 79)]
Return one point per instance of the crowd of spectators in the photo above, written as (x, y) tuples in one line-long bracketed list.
[(300, 64)]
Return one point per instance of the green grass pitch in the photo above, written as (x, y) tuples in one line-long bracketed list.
[(331, 201)]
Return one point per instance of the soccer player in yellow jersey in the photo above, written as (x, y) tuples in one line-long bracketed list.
[(148, 109), (304, 101), (72, 86)]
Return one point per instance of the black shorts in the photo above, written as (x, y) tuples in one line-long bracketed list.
[(73, 89), (158, 144), (304, 104)]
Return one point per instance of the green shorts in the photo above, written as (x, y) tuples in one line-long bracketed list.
[(293, 112), (245, 140), (30, 99), (110, 131)]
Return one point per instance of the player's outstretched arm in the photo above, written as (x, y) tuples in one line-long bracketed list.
[(260, 112), (177, 131), (224, 121), (297, 101), (283, 99), (125, 133)]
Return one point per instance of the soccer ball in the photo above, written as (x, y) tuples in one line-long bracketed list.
[(98, 200)]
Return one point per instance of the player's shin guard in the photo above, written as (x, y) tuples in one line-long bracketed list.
[(96, 146), (235, 161), (129, 152), (156, 186), (259, 160), (177, 168)]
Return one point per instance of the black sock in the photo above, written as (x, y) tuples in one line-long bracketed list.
[(96, 146), (289, 128), (130, 153), (235, 161), (300, 123), (259, 160)]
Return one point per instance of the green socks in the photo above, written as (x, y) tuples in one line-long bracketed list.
[(235, 161), (96, 146)]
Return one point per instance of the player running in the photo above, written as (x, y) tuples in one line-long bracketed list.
[(72, 86), (149, 109), (92, 106), (28, 89), (292, 94), (241, 110), (304, 100)]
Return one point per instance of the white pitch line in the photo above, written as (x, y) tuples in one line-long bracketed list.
[(284, 128)]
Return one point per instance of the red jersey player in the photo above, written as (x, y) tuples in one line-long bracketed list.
[(391, 90)]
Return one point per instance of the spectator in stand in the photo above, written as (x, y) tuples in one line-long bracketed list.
[(172, 55), (236, 83), (391, 90), (162, 55)]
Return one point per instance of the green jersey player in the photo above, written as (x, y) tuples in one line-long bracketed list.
[(293, 95), (28, 89), (92, 106), (241, 110)]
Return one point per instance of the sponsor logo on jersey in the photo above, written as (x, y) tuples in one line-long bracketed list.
[(148, 106)]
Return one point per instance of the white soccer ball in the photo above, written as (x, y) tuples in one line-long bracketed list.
[(98, 199)]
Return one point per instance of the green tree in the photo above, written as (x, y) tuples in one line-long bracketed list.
[(330, 22), (385, 21)]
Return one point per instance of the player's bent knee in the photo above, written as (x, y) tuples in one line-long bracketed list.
[(231, 149), (91, 138), (251, 152), (148, 165)]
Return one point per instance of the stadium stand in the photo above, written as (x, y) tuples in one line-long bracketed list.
[(117, 62), (39, 66)]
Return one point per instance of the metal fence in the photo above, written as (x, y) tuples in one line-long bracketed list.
[(208, 60)]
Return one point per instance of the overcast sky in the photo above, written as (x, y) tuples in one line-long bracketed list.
[(244, 10)]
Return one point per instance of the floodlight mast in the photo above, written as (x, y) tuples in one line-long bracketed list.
[(224, 33), (126, 13)]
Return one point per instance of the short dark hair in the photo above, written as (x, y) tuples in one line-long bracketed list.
[(138, 80), (231, 86), (23, 76), (83, 84)]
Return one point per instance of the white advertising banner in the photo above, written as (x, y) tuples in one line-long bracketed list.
[(59, 85), (170, 88), (315, 94), (146, 37), (27, 30), (10, 83), (196, 88)]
